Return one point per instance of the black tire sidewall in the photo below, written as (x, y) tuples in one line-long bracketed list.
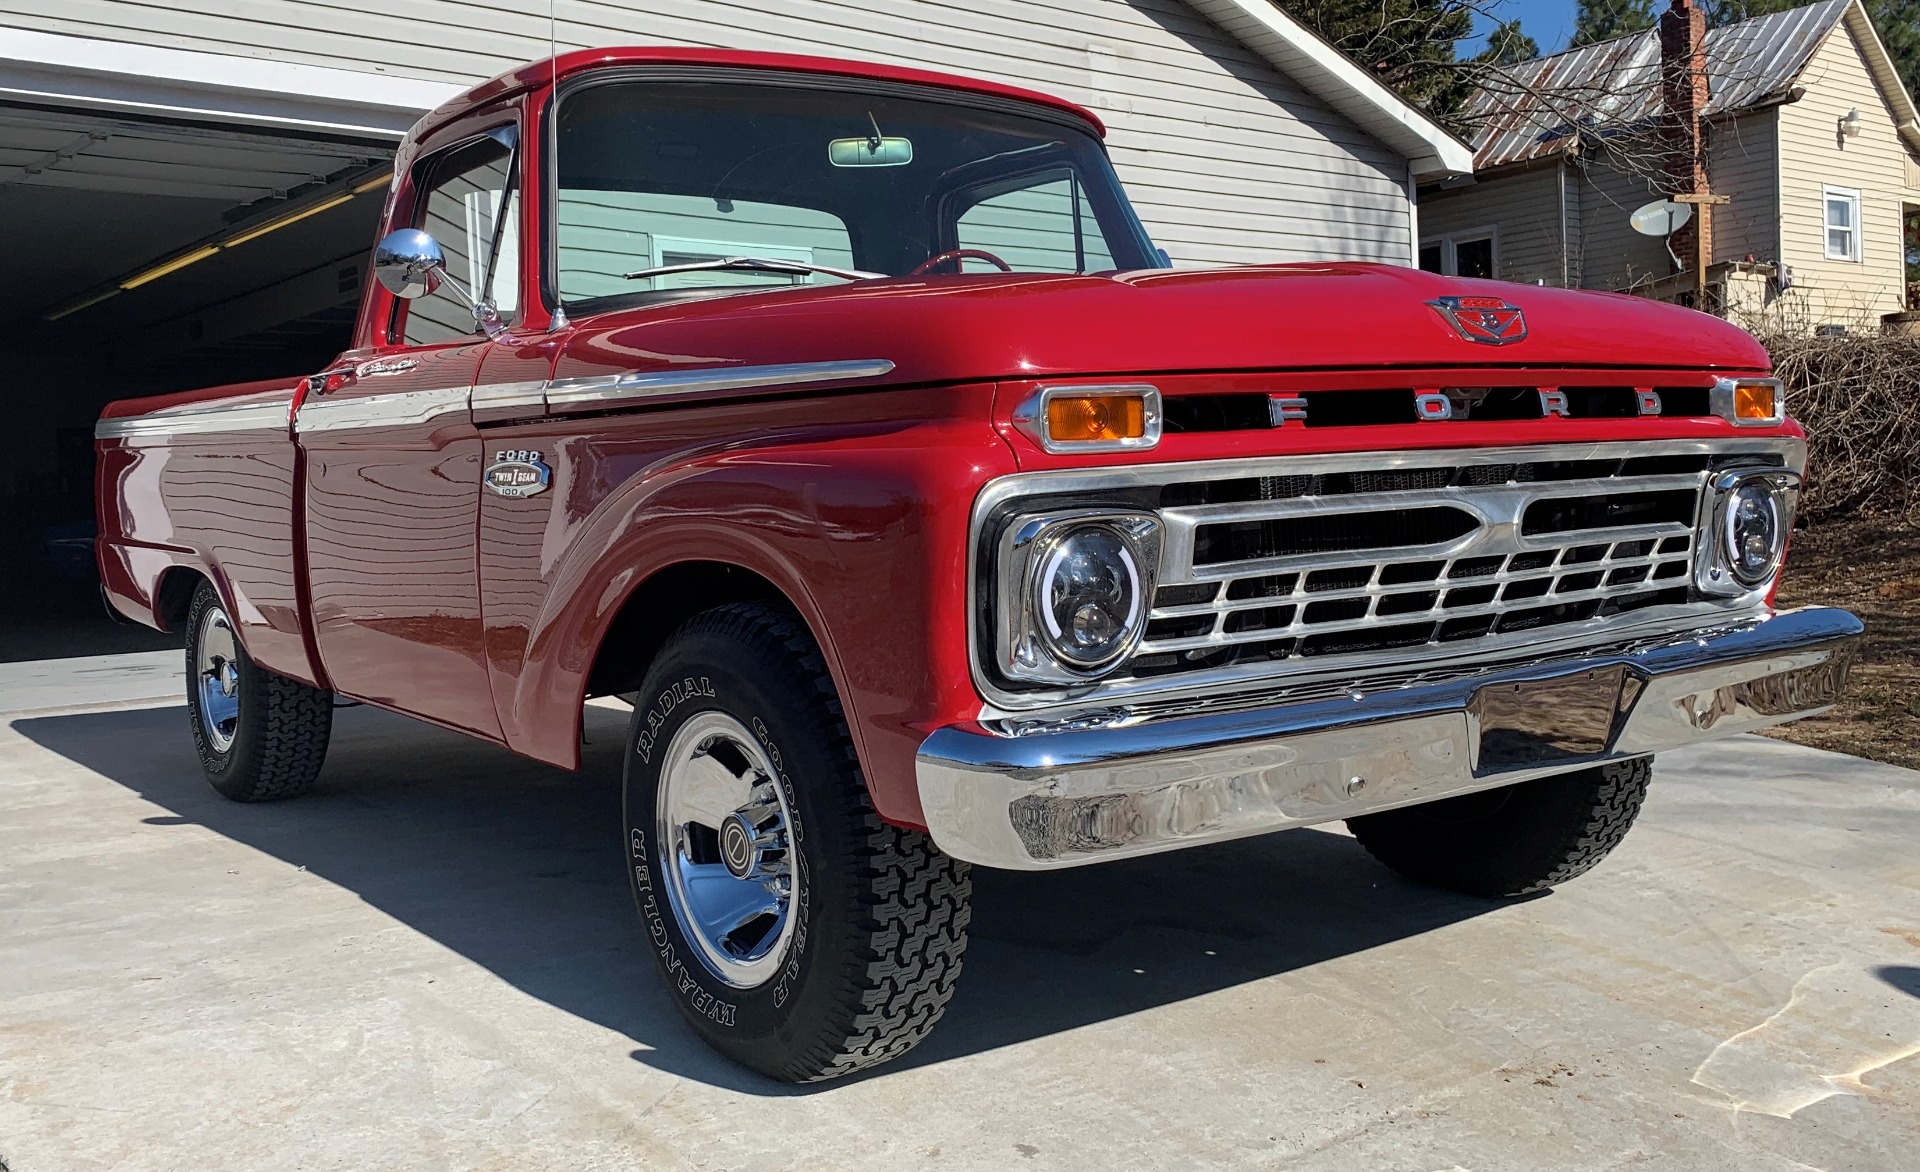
[(765, 1027)]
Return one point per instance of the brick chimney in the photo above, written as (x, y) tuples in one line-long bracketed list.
[(1683, 98)]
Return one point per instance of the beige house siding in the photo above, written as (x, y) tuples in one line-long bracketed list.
[(1743, 164), (1813, 155), (1607, 252), (1226, 159), (1525, 208)]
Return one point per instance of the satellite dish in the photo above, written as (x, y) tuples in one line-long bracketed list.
[(1662, 217)]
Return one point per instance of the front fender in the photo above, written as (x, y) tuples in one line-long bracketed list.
[(862, 526)]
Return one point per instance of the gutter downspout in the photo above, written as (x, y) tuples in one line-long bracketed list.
[(1413, 219), (1566, 270)]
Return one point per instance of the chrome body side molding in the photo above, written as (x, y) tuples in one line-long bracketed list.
[(1077, 792), (599, 391), (398, 409), (320, 412), (529, 397)]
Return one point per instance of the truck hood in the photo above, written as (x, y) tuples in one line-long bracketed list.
[(1266, 317)]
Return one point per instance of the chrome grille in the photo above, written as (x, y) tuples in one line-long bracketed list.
[(1461, 562), (1566, 547)]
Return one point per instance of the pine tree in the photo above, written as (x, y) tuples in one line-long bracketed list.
[(1898, 23), (1408, 45), (1725, 12), (1508, 44), (1602, 20)]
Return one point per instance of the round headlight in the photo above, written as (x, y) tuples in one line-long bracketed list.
[(1753, 532), (1088, 596)]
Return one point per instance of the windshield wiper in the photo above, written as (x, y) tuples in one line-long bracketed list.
[(753, 264)]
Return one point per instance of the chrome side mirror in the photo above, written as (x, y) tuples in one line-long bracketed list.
[(409, 263)]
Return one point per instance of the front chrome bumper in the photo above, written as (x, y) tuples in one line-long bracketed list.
[(1065, 798)]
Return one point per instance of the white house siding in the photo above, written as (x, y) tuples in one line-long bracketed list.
[(1524, 206), (1813, 155), (1226, 159)]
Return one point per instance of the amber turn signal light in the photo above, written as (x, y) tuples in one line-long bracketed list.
[(1750, 402), (1092, 418), (1753, 401)]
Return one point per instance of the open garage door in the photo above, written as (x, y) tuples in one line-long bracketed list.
[(143, 257)]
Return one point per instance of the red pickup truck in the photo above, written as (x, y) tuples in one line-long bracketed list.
[(845, 420)]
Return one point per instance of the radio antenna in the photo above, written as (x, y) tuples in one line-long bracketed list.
[(559, 319)]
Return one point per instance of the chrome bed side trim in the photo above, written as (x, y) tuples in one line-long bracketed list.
[(255, 415)]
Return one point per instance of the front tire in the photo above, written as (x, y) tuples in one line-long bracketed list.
[(261, 737), (1514, 840), (797, 933)]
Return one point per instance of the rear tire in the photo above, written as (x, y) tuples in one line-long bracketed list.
[(1514, 840), (797, 933), (261, 736)]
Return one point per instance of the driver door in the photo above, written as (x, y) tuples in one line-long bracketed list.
[(393, 469)]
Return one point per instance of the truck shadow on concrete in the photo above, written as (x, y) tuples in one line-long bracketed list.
[(519, 867)]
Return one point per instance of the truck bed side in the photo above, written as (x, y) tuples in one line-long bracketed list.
[(205, 483)]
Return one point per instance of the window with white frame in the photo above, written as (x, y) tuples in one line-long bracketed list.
[(1473, 253), (1842, 223)]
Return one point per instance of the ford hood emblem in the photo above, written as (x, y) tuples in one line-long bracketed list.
[(1487, 320)]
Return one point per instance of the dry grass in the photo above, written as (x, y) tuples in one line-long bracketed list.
[(1871, 566)]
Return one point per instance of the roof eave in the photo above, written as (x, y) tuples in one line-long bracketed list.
[(1885, 74), (1431, 153)]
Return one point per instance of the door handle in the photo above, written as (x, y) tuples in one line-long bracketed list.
[(337, 379)]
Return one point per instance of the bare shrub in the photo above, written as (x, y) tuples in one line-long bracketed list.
[(1859, 398)]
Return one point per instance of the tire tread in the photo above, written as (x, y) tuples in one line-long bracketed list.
[(278, 751), (1547, 832)]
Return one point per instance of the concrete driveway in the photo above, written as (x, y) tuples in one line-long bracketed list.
[(432, 963)]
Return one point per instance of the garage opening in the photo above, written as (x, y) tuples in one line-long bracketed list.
[(145, 257)]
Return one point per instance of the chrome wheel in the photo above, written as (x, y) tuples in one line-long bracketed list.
[(724, 835), (216, 673)]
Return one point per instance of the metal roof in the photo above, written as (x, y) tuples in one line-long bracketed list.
[(1615, 85)]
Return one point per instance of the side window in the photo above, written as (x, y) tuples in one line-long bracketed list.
[(1462, 254), (1045, 226), (1842, 223), (1473, 258), (471, 208)]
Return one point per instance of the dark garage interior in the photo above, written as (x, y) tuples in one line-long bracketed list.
[(145, 257)]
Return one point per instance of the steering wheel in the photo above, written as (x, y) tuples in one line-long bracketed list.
[(956, 255)]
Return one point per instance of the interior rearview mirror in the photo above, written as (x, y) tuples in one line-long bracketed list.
[(872, 151), (409, 263)]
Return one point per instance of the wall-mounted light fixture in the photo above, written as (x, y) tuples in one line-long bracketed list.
[(1850, 124)]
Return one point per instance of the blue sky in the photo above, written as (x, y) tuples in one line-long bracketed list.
[(1548, 21)]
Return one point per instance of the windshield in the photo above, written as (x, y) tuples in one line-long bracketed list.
[(660, 174)]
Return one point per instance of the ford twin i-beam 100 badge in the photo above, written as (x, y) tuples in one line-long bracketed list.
[(518, 474), (1487, 320)]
